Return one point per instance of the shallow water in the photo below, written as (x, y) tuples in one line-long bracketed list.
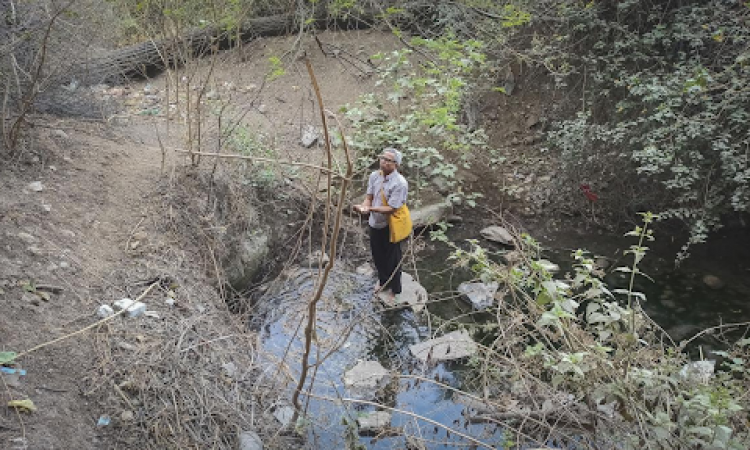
[(385, 337), (678, 300)]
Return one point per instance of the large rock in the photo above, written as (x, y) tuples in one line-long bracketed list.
[(310, 136), (365, 375), (247, 261), (413, 294), (249, 440), (430, 214), (497, 233), (454, 345), (480, 295)]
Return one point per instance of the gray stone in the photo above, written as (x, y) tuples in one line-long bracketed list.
[(497, 233), (454, 345), (284, 415), (262, 108), (249, 440), (430, 214), (26, 237), (36, 186), (365, 375), (532, 121), (127, 416), (245, 263), (374, 421), (713, 281), (413, 294), (310, 136), (480, 295)]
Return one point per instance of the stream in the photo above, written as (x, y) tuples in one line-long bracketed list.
[(352, 328)]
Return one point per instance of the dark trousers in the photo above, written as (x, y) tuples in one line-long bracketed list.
[(387, 258)]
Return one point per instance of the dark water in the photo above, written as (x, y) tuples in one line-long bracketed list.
[(677, 299)]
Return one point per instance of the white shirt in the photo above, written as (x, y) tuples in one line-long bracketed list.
[(396, 189)]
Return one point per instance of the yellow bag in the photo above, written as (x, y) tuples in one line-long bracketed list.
[(399, 222)]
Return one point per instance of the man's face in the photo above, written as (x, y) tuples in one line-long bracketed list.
[(387, 162)]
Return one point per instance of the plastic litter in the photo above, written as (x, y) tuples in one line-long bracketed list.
[(105, 311), (11, 371), (103, 421)]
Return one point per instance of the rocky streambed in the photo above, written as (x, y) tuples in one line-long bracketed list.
[(382, 376)]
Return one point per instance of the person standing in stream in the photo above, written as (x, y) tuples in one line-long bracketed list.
[(389, 183)]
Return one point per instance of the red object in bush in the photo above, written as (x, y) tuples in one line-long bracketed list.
[(588, 193)]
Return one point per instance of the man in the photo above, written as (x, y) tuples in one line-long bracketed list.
[(391, 184)]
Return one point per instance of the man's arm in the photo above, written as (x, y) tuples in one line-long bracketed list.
[(382, 209), (366, 206)]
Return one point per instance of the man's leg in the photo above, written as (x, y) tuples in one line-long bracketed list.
[(379, 238), (392, 259)]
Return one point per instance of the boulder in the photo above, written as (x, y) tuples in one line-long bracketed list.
[(430, 214), (247, 261), (454, 345), (413, 294), (497, 234), (480, 295), (365, 375)]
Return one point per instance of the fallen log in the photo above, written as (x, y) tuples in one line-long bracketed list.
[(150, 58)]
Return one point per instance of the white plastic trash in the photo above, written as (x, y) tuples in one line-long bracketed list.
[(105, 311)]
